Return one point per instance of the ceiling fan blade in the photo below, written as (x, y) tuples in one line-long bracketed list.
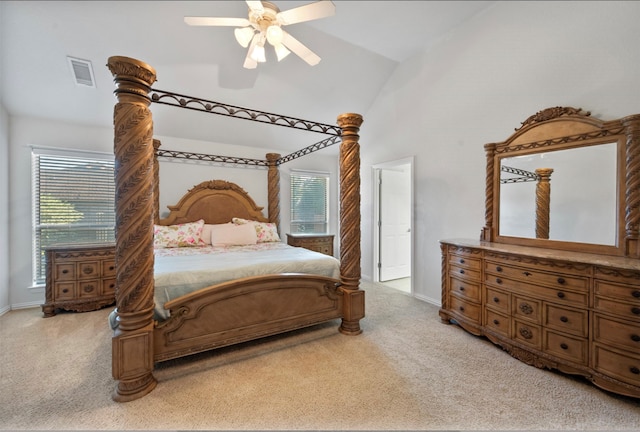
[(249, 61), (311, 11), (255, 6), (214, 21), (300, 50)]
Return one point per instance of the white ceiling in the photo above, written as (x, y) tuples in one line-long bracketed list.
[(360, 47)]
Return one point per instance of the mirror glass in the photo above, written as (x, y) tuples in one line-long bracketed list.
[(583, 198)]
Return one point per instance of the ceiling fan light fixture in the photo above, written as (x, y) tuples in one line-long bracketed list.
[(244, 35), (281, 51), (274, 35), (258, 54)]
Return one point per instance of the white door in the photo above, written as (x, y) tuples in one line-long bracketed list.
[(394, 224)]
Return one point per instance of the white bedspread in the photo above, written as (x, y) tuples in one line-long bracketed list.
[(179, 271)]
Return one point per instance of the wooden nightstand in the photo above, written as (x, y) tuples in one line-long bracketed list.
[(80, 277), (322, 243)]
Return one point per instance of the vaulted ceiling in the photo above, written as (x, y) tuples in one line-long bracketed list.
[(360, 47)]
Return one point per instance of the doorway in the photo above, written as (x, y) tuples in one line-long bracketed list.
[(393, 224)]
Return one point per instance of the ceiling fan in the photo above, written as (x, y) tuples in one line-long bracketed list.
[(265, 24)]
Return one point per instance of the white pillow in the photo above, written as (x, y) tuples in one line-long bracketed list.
[(206, 232), (233, 235)]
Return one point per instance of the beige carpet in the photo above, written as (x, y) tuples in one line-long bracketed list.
[(406, 371)]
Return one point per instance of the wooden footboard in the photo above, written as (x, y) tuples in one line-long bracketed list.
[(243, 310)]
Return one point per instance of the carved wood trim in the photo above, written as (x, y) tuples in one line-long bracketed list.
[(134, 155), (350, 252), (273, 189), (543, 202)]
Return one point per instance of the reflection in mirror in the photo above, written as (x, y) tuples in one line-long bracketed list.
[(582, 206)]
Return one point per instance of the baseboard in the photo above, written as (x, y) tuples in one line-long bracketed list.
[(4, 310), (26, 305), (428, 300)]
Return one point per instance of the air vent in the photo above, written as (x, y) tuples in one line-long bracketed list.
[(82, 72)]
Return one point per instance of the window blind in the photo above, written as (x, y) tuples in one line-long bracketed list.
[(309, 202), (73, 202)]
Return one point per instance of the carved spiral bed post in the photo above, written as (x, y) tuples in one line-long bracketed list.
[(132, 342), (488, 230), (543, 202), (632, 181), (350, 253), (156, 182), (273, 186)]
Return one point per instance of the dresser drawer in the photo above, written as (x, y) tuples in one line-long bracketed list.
[(89, 288), (465, 261), (465, 309), (527, 309), (537, 277), (622, 309), (497, 322), (88, 269), (561, 296), (626, 293), (65, 271), (498, 300), (64, 290), (108, 268), (572, 321), (569, 347), (625, 335), (466, 289), (527, 333), (108, 287), (617, 364), (465, 273)]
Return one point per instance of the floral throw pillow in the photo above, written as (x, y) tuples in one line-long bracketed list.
[(180, 235), (266, 231)]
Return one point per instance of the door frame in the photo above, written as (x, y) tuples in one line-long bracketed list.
[(375, 171)]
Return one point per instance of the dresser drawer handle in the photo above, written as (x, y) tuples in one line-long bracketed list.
[(461, 308), (564, 319), (461, 288), (496, 300), (498, 268), (636, 294), (87, 270), (560, 294), (88, 288), (112, 285), (526, 308), (526, 333), (635, 338), (564, 346), (65, 271), (112, 267), (461, 261), (526, 273), (634, 370), (461, 271), (66, 290), (635, 311), (561, 281), (496, 322), (498, 280)]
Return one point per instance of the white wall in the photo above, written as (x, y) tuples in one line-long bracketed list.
[(4, 204), (175, 179), (476, 87)]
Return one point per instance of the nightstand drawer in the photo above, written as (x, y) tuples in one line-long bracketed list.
[(322, 243)]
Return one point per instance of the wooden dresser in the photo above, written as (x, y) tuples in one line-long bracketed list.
[(555, 277), (575, 312), (322, 243), (79, 277)]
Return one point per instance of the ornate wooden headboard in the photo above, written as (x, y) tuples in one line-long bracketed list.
[(215, 201)]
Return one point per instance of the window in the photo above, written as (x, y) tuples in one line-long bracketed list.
[(309, 202), (73, 201)]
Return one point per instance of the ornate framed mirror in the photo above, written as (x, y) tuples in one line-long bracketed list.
[(566, 180)]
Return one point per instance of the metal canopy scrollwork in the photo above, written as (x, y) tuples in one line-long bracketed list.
[(197, 104)]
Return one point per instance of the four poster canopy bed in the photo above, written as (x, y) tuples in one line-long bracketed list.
[(156, 317)]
